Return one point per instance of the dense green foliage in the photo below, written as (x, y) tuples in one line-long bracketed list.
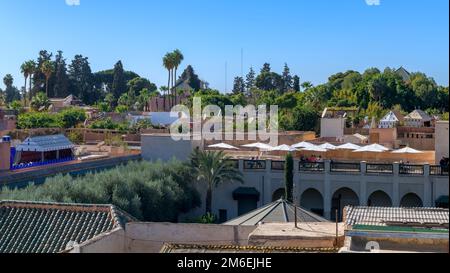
[(71, 117), (34, 120), (386, 88), (149, 191), (109, 124), (67, 118), (59, 78), (372, 92)]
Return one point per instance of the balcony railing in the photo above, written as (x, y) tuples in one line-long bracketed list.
[(277, 165), (412, 169), (341, 167), (254, 164), (379, 168), (439, 170), (39, 164), (312, 166)]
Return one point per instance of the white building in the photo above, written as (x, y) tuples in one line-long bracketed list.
[(418, 118), (442, 149), (390, 120), (333, 121), (329, 187)]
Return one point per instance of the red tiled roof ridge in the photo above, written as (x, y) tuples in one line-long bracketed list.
[(112, 210), (56, 205), (403, 208)]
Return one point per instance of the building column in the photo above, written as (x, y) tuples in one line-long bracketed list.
[(327, 195), (396, 186), (297, 182), (267, 180), (428, 199), (363, 185)]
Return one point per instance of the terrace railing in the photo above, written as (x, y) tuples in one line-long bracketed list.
[(254, 164), (312, 166), (341, 167), (408, 169), (37, 164), (278, 165), (379, 168), (439, 170)]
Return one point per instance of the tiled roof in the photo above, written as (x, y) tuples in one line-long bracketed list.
[(45, 143), (393, 116), (279, 211), (32, 227), (180, 248), (377, 216), (419, 114)]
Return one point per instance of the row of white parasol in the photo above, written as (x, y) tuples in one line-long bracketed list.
[(306, 146)]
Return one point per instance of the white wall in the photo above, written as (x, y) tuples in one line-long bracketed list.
[(163, 147), (150, 237), (442, 140), (110, 242), (332, 127)]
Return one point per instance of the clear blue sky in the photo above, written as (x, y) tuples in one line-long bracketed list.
[(316, 37)]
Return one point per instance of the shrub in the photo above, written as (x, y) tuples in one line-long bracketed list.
[(71, 117), (121, 109), (208, 218), (149, 191), (67, 118), (106, 124), (76, 137), (33, 120)]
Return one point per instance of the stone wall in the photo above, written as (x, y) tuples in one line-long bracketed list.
[(140, 237)]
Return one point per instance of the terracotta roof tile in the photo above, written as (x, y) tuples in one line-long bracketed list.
[(378, 216), (33, 227)]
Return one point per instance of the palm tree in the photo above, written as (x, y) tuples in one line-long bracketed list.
[(178, 58), (27, 69), (47, 69), (8, 80), (168, 64), (40, 102), (213, 168), (307, 85), (30, 66), (24, 70)]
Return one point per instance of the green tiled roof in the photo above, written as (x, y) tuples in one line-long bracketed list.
[(31, 227)]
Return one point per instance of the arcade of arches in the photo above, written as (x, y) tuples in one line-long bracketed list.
[(312, 200)]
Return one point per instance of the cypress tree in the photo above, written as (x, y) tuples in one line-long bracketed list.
[(119, 85), (289, 177)]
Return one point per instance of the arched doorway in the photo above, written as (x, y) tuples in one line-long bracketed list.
[(411, 200), (247, 199), (279, 194), (342, 198), (379, 199), (312, 200)]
